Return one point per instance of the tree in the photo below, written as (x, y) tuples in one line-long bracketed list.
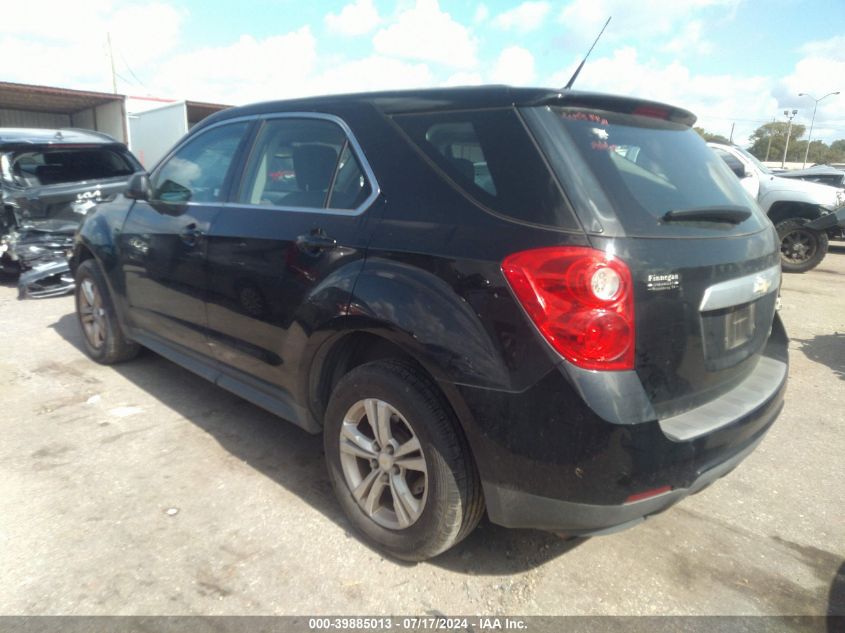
[(710, 137), (776, 131), (837, 151)]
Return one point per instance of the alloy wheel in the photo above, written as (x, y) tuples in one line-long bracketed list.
[(383, 464), (92, 314)]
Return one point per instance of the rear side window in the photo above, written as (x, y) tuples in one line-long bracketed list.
[(52, 167), (489, 156), (303, 164)]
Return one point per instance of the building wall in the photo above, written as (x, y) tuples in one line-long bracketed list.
[(84, 119), (111, 119), (24, 118), (108, 118)]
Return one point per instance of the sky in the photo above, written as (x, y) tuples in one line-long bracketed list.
[(730, 62)]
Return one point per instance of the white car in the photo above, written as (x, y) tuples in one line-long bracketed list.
[(805, 213)]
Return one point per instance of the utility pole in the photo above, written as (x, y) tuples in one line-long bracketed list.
[(788, 132), (769, 147), (111, 59), (812, 121), (731, 139)]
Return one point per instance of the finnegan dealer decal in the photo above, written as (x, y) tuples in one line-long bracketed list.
[(663, 281)]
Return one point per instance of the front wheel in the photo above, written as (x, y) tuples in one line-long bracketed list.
[(102, 337), (801, 248), (398, 463)]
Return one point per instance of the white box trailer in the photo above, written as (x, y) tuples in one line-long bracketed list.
[(155, 128)]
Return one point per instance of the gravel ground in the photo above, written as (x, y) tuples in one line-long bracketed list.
[(142, 489)]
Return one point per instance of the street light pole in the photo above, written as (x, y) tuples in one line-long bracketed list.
[(788, 132), (769, 146), (813, 120)]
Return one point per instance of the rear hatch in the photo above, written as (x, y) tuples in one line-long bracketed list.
[(702, 256)]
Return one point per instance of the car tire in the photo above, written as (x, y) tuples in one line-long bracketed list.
[(102, 337), (801, 248), (445, 503)]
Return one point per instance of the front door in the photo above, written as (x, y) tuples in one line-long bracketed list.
[(163, 243)]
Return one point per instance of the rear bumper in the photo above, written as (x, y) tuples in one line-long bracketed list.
[(549, 461), (516, 509)]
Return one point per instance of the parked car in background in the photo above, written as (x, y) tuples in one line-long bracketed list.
[(49, 179), (556, 305), (822, 174), (805, 214)]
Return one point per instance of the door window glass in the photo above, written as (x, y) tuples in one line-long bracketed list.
[(197, 171), (303, 163), (489, 155), (350, 185)]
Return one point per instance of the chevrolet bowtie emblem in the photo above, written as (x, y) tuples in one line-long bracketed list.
[(761, 285)]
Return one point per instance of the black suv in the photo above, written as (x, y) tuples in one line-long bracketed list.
[(557, 306), (49, 179)]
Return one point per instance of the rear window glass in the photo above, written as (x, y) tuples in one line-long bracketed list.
[(51, 167), (490, 157), (647, 167)]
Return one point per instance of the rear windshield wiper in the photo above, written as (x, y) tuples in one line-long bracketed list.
[(732, 214)]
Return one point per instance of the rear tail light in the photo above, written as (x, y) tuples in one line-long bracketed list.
[(648, 494), (651, 111), (581, 300)]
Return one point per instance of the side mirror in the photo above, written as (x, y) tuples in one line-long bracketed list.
[(139, 187), (739, 170)]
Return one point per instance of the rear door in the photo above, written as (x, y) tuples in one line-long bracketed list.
[(295, 226), (163, 241)]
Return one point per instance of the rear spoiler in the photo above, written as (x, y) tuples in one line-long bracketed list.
[(613, 103)]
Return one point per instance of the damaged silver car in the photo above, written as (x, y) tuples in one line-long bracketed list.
[(49, 180)]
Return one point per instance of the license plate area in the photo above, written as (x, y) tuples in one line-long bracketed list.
[(730, 335), (739, 326)]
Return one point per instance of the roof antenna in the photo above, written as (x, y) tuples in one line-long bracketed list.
[(572, 79)]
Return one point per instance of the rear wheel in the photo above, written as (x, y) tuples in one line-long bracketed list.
[(102, 337), (801, 248), (400, 468)]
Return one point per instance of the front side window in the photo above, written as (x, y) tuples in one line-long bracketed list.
[(197, 171), (303, 163)]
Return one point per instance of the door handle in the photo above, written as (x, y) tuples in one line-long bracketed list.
[(315, 242), (190, 235)]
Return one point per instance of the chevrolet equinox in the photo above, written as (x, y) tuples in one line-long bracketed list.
[(555, 307)]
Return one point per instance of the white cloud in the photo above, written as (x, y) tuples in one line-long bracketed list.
[(371, 73), (515, 66), (247, 70), (642, 19), (525, 17), (819, 72), (832, 48), (463, 79), (426, 33), (64, 43), (356, 18), (481, 13), (689, 41)]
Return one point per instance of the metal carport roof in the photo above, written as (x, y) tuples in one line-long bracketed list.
[(48, 99)]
